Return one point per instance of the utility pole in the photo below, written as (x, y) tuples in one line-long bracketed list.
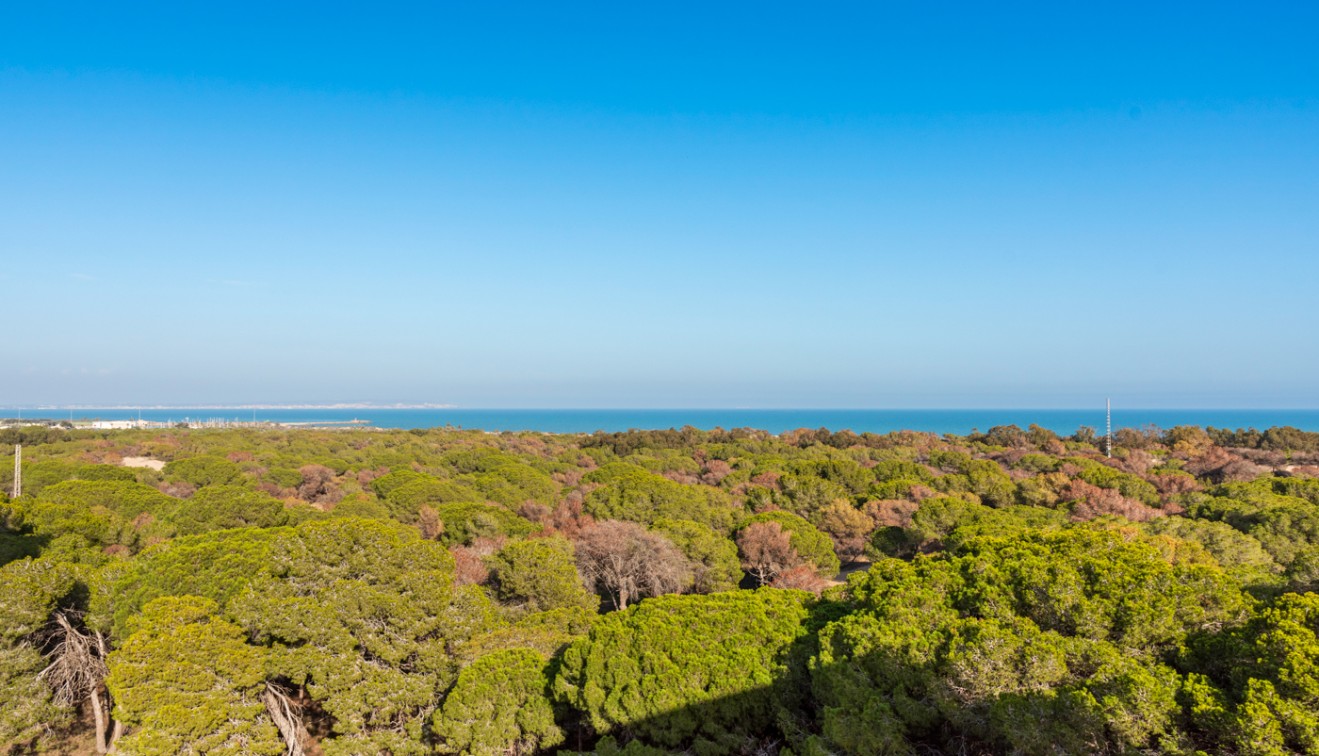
[(18, 470), (1108, 433)]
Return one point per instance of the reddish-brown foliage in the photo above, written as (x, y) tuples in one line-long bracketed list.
[(1221, 466), (318, 485), (568, 478), (715, 471), (685, 478), (469, 568), (1090, 501), (276, 491), (766, 551), (568, 517), (364, 477), (178, 489), (890, 513), (536, 512), (1171, 484), (1137, 462), (919, 492), (802, 577)]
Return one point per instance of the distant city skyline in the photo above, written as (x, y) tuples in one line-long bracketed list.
[(677, 205)]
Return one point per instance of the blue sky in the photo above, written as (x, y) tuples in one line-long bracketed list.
[(660, 205)]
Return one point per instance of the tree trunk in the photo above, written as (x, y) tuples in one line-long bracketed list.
[(102, 714), (77, 670), (285, 717), (98, 716)]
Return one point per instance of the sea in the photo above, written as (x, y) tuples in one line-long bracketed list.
[(957, 421)]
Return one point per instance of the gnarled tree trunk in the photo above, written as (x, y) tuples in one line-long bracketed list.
[(76, 671), (287, 718)]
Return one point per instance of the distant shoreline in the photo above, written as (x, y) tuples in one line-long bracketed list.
[(184, 407), (959, 422), (483, 408)]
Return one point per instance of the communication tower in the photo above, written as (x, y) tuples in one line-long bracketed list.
[(18, 470), (1108, 432)]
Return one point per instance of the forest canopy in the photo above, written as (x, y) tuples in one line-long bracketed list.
[(681, 591)]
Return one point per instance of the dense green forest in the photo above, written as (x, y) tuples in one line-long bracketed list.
[(726, 592)]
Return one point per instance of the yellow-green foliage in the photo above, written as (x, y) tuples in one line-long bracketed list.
[(499, 705), (217, 566), (105, 512), (512, 483), (405, 500), (1241, 555), (628, 492), (539, 574), (1259, 691), (1039, 641), (217, 507), (546, 633), (465, 522), (1285, 525), (207, 470), (363, 613), (1004, 627), (40, 473), (806, 495), (29, 591), (675, 669), (944, 522), (715, 565), (186, 683)]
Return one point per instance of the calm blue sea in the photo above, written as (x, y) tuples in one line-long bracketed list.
[(958, 421)]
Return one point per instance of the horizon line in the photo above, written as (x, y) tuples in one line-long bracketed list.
[(405, 406)]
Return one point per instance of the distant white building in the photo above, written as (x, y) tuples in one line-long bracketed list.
[(114, 424)]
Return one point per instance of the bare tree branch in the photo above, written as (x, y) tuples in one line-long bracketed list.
[(76, 670), (287, 717)]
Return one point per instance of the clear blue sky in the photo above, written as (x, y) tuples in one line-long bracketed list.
[(660, 204)]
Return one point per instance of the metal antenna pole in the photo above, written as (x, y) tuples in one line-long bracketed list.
[(18, 470), (1108, 435)]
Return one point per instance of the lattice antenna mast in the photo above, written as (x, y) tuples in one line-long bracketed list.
[(1108, 432), (18, 470)]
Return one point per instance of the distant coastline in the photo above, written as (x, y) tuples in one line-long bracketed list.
[(954, 421), (189, 407)]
